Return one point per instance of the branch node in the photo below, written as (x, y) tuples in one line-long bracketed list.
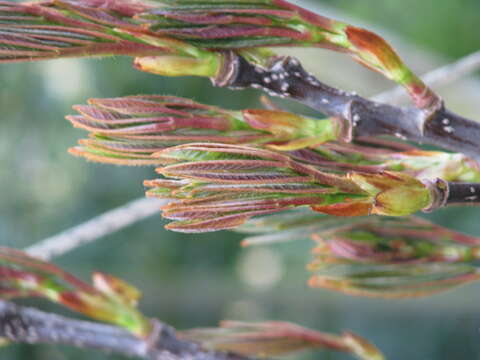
[(228, 71), (439, 189), (431, 112)]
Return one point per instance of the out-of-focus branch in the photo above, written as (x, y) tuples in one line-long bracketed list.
[(441, 76), (27, 325), (93, 229)]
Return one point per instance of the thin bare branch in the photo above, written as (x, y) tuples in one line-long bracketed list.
[(436, 78), (93, 229), (27, 325)]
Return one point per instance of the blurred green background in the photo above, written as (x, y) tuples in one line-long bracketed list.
[(197, 280)]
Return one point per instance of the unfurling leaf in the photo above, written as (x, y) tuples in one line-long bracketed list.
[(240, 24), (219, 186), (393, 241), (278, 338), (186, 38), (110, 299), (375, 256), (394, 281), (395, 194), (129, 130), (84, 28), (227, 184), (49, 30)]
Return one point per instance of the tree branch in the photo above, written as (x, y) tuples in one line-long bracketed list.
[(142, 208), (285, 77), (27, 325), (463, 193), (102, 225)]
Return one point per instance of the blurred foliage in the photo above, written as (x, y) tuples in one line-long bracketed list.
[(197, 280)]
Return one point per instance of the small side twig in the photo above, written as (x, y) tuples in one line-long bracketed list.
[(27, 325), (102, 225)]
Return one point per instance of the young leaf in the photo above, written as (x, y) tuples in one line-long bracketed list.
[(375, 256), (48, 30), (109, 299), (85, 28), (278, 338), (220, 186), (129, 130), (178, 38), (240, 24), (394, 281)]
